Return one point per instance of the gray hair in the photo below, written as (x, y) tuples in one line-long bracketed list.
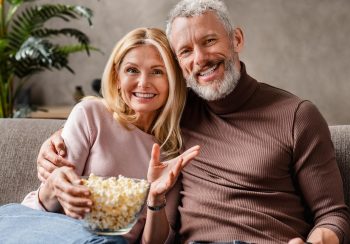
[(190, 8)]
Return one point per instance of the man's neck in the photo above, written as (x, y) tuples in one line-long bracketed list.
[(242, 92)]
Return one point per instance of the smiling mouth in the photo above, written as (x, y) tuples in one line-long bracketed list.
[(209, 71), (144, 95)]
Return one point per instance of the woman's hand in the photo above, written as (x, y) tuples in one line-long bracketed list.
[(163, 175), (67, 187)]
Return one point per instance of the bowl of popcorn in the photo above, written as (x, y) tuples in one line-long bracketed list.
[(117, 203)]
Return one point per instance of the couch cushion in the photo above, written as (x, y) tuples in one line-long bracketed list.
[(19, 146)]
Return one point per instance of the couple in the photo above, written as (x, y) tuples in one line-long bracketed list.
[(266, 172)]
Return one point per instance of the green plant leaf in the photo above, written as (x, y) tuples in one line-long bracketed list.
[(84, 12), (33, 19), (3, 45), (27, 46), (18, 2), (79, 35), (37, 54)]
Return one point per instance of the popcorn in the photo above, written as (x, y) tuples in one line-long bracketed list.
[(116, 202)]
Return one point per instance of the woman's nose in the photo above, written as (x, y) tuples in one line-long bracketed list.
[(143, 80)]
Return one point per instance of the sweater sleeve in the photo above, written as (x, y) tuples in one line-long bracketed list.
[(31, 200), (78, 136), (317, 173)]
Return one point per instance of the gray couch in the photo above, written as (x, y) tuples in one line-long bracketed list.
[(21, 139)]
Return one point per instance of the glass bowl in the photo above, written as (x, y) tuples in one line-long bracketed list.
[(117, 203)]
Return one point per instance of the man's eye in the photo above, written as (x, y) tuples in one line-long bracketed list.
[(184, 53), (210, 41), (132, 70)]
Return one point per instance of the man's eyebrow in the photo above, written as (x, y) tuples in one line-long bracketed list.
[(209, 36)]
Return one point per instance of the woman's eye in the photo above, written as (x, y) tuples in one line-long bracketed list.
[(158, 72), (132, 70)]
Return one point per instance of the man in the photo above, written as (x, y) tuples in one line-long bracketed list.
[(267, 170)]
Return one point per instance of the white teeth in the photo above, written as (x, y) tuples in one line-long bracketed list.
[(208, 71), (144, 95)]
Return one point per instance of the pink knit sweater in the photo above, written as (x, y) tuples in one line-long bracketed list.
[(97, 143)]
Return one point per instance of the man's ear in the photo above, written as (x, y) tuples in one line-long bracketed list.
[(238, 40)]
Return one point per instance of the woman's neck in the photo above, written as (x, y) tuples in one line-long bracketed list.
[(145, 122)]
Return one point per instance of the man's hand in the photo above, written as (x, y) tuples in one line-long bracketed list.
[(318, 236), (51, 156)]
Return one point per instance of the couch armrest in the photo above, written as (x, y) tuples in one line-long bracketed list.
[(341, 140)]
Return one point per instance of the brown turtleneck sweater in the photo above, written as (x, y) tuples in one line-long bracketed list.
[(266, 166)]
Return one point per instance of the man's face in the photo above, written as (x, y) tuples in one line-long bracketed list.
[(205, 54)]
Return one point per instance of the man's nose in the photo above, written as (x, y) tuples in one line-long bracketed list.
[(200, 56)]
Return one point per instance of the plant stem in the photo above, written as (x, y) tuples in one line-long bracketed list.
[(2, 18), (3, 98), (2, 109)]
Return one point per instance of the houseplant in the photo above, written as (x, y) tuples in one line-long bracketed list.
[(27, 46)]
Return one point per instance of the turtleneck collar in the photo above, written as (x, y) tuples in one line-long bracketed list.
[(232, 102)]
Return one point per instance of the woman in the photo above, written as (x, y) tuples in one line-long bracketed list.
[(143, 97)]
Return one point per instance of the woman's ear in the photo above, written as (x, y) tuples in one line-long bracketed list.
[(238, 40)]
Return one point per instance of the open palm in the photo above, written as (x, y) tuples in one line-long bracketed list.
[(163, 175)]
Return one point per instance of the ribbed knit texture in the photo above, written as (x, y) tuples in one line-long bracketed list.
[(266, 167)]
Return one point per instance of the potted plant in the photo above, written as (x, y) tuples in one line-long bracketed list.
[(27, 47)]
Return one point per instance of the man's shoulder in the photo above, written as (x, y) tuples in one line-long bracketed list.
[(276, 91), (268, 94)]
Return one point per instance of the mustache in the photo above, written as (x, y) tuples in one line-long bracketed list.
[(197, 69)]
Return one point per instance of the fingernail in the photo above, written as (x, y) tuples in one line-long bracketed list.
[(61, 152), (87, 210), (89, 203)]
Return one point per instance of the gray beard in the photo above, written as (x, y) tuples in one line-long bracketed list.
[(218, 89)]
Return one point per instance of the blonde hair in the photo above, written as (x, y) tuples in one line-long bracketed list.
[(166, 127)]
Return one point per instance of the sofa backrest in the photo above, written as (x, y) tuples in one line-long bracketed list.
[(341, 140), (20, 141)]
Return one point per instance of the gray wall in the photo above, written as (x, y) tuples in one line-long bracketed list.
[(300, 46)]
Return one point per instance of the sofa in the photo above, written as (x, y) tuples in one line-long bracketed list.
[(21, 140)]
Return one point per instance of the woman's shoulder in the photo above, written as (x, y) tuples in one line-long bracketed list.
[(92, 105)]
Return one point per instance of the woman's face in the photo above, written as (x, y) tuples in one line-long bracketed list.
[(143, 80)]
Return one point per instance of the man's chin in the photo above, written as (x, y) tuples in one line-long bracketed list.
[(214, 84), (215, 89), (209, 92)]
